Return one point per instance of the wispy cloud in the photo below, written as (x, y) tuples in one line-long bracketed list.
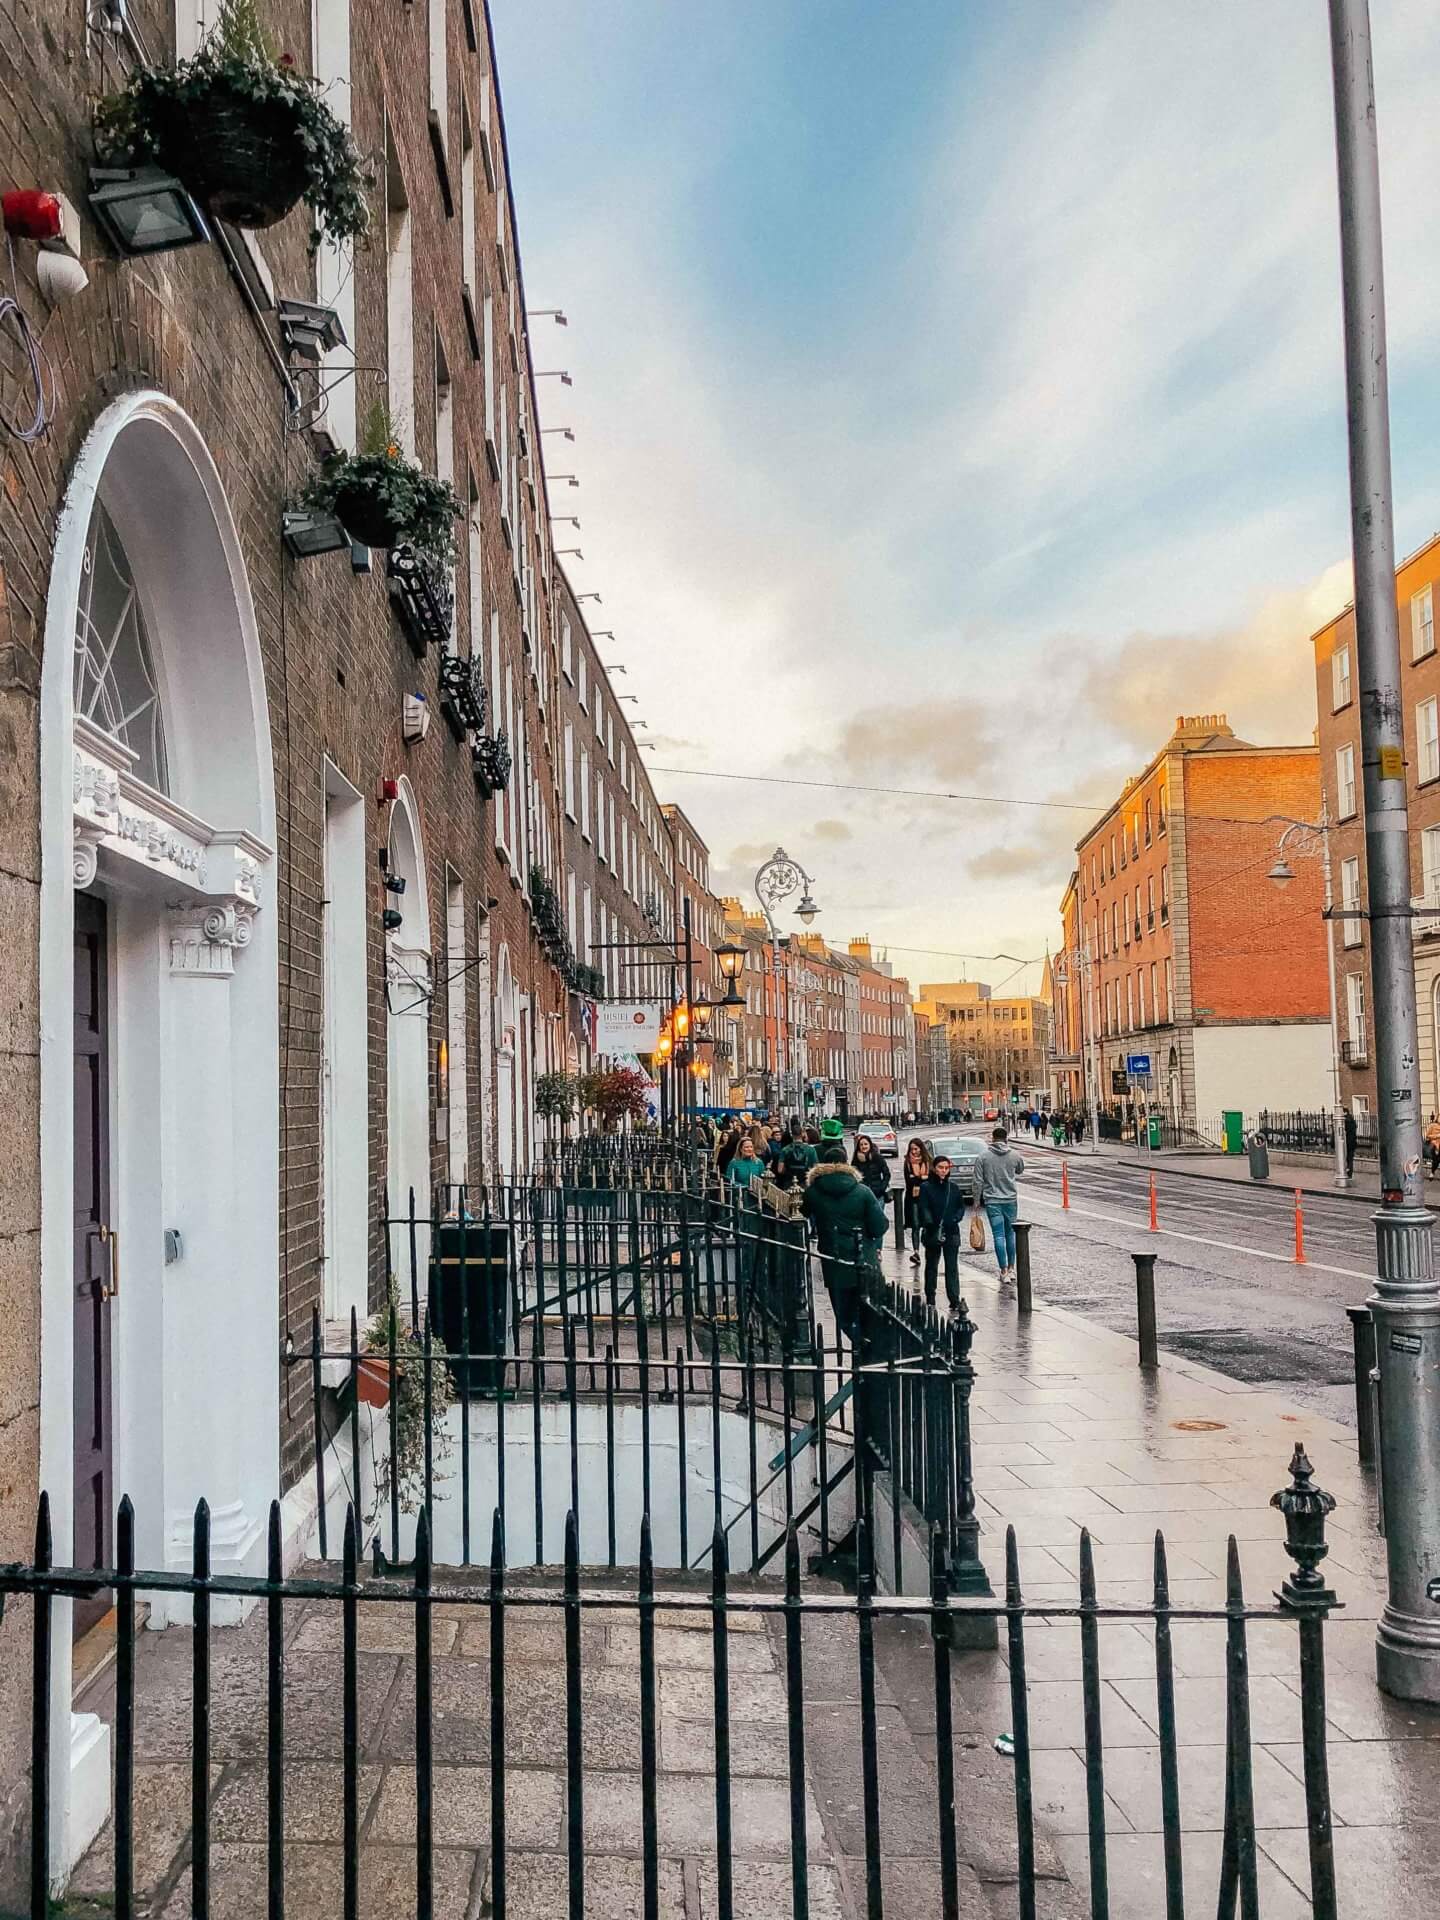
[(1031, 440)]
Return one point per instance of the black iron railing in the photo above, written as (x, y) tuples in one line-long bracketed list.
[(704, 1308), (793, 1614)]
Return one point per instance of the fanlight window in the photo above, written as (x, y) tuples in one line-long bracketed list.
[(115, 685)]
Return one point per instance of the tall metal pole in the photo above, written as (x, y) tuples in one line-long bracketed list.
[(688, 1078), (1406, 1302), (1337, 1116)]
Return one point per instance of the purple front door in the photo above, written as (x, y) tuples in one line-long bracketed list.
[(96, 1257)]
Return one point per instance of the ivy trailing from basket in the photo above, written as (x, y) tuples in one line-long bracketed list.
[(406, 1471), (244, 131), (383, 499)]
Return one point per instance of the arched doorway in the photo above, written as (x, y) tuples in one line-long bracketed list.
[(159, 1030), (408, 989)]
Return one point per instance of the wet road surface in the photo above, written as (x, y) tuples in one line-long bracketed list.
[(1229, 1292)]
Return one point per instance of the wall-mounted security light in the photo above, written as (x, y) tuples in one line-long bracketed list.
[(145, 210), (309, 330), (307, 532), (391, 918), (394, 883)]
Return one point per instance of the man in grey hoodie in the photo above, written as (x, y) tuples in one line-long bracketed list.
[(1000, 1167)]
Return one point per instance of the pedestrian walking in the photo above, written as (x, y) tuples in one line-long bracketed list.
[(1432, 1143), (1000, 1167), (746, 1166), (794, 1159), (849, 1225), (916, 1172), (1077, 1128), (941, 1209), (1352, 1134), (727, 1150), (869, 1163)]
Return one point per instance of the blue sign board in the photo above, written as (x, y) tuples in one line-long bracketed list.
[(1137, 1065)]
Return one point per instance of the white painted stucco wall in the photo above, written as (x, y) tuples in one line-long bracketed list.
[(1255, 1067)]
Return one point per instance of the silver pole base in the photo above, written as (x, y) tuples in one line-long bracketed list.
[(1407, 1655)]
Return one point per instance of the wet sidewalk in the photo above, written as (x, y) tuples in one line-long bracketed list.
[(1069, 1432)]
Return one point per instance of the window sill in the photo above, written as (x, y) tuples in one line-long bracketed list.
[(1344, 706)]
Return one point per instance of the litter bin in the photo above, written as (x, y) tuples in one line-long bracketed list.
[(1154, 1127), (1259, 1157), (470, 1299)]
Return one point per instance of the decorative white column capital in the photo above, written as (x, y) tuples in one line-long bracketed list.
[(205, 939), (86, 854)]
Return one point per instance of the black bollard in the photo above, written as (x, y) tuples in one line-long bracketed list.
[(1145, 1308), (897, 1200), (1024, 1301)]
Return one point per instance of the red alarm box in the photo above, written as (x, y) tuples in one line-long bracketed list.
[(32, 213)]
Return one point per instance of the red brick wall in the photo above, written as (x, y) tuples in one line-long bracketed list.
[(1257, 949)]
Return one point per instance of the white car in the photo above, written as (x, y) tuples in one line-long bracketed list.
[(881, 1135)]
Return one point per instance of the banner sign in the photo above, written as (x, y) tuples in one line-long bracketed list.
[(630, 1024)]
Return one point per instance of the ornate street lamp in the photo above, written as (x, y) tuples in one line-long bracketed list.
[(1310, 840), (732, 965), (776, 880)]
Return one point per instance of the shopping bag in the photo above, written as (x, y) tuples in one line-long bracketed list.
[(977, 1232)]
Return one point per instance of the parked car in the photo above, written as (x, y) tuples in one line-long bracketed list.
[(881, 1135), (963, 1151)]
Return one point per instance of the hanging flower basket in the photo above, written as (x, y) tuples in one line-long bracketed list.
[(383, 499), (245, 132)]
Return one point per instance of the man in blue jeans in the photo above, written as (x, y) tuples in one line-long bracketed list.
[(1000, 1167)]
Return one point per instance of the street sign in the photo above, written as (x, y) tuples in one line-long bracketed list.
[(1137, 1065)]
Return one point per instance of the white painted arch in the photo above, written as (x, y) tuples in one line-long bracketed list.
[(194, 1066), (408, 988)]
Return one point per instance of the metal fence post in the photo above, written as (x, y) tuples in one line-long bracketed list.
[(1306, 1595), (1145, 1308)]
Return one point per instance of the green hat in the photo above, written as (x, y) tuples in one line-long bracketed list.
[(832, 1130)]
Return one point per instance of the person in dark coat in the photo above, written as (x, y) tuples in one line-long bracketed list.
[(869, 1163), (839, 1205), (916, 1172), (1352, 1134), (941, 1209)]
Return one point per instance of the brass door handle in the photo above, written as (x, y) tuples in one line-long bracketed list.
[(109, 1238)]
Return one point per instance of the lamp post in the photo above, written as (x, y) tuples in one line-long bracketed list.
[(1312, 842), (1079, 959), (776, 881), (1406, 1301)]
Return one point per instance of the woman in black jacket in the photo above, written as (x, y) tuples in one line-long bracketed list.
[(916, 1172), (869, 1163)]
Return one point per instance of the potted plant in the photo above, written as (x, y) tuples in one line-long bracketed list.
[(381, 498), (244, 131), (406, 1467)]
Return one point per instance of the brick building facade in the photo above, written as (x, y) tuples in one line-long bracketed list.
[(1193, 958), (1417, 589), (285, 937)]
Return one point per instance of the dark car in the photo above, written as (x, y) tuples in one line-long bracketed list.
[(963, 1151)]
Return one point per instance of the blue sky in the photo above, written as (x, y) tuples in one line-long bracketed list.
[(958, 398)]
